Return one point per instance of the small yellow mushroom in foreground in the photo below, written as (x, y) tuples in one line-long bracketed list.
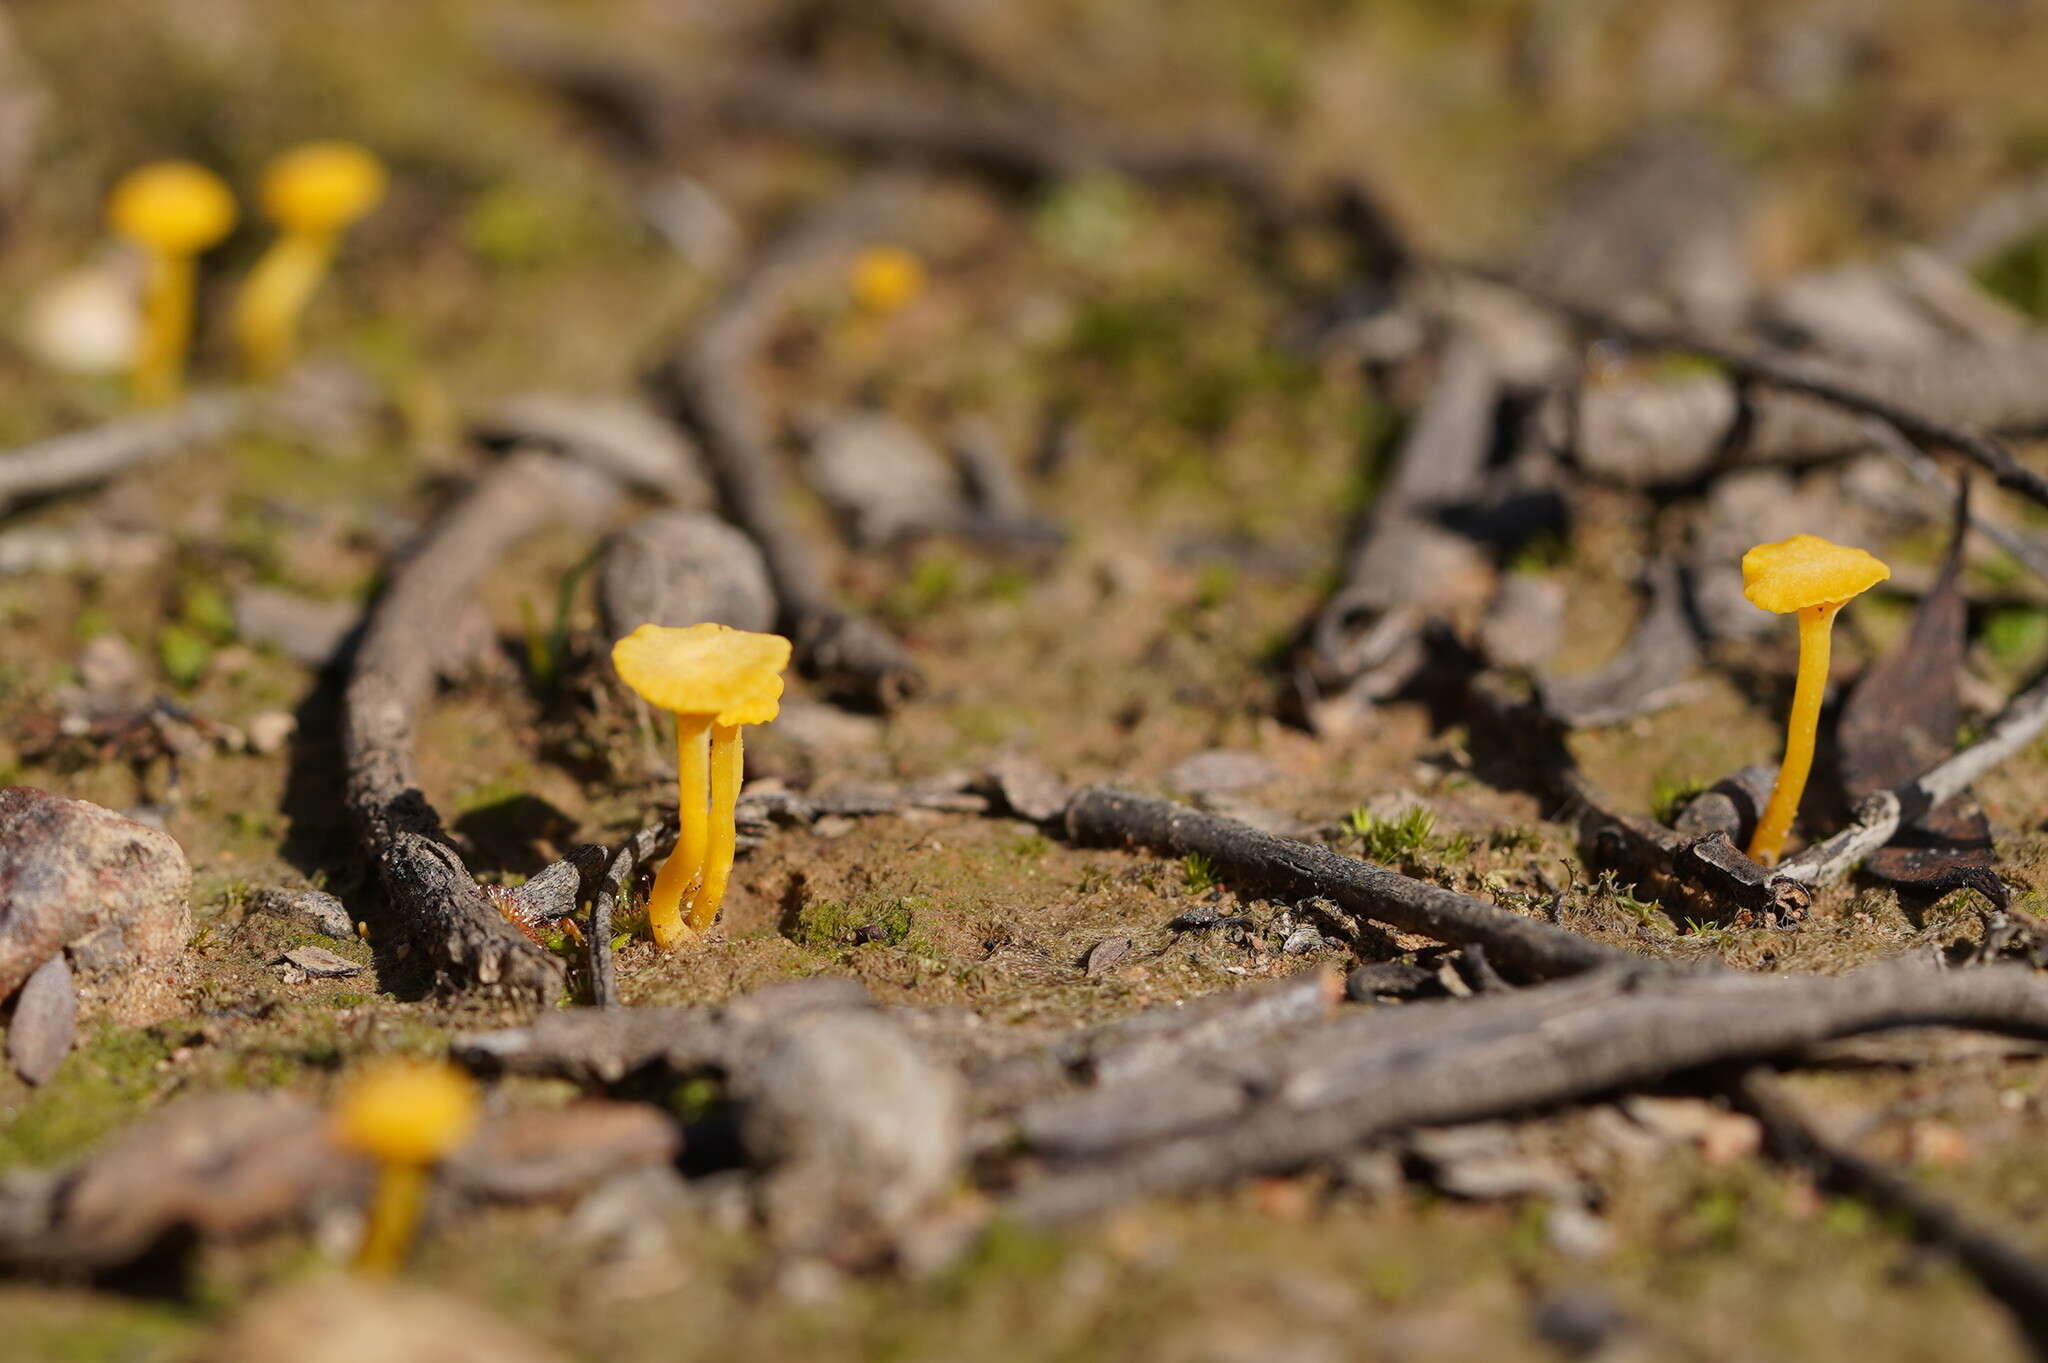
[(312, 193), (884, 278), (1816, 578), (405, 1115), (713, 678), (173, 210)]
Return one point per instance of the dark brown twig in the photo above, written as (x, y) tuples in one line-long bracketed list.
[(1522, 948), (709, 387), (434, 904)]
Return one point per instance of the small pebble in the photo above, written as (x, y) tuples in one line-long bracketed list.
[(270, 731)]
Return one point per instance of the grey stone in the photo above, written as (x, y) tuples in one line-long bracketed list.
[(72, 873), (314, 909), (1107, 954), (883, 478), (107, 666), (1221, 771), (45, 1022), (683, 568), (320, 963), (270, 730), (308, 631), (858, 1130), (1027, 789)]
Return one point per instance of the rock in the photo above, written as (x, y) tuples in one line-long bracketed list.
[(307, 631), (1525, 623), (1107, 954), (314, 909), (108, 667), (857, 1129), (337, 1319), (544, 1154), (270, 730), (1221, 771), (45, 1022), (1027, 789), (818, 728), (683, 568), (1301, 942), (321, 964), (117, 895), (1580, 1321), (883, 478)]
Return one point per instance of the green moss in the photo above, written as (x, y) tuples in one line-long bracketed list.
[(100, 1086), (893, 921), (99, 1329)]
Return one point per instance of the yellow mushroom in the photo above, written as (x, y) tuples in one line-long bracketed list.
[(713, 678), (1816, 578), (312, 193), (405, 1115), (173, 210), (884, 278)]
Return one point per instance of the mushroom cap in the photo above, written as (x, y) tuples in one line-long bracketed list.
[(884, 278), (179, 207), (322, 186), (1807, 570), (733, 675), (406, 1112)]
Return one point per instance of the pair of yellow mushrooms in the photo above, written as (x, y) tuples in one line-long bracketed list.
[(175, 210), (409, 1116)]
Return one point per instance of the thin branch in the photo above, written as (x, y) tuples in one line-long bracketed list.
[(1503, 1054), (1522, 948), (434, 903), (709, 387), (95, 455)]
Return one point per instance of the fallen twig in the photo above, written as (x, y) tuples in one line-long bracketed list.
[(91, 456), (1533, 741), (1522, 948), (709, 387), (1498, 1054), (434, 903), (1403, 563)]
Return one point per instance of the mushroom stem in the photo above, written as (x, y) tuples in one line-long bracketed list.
[(394, 1213), (167, 328), (678, 876), (1816, 630), (283, 282), (728, 762)]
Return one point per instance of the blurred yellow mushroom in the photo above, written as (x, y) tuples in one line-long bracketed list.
[(405, 1115), (1816, 578), (312, 193), (173, 210), (884, 278), (713, 678)]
